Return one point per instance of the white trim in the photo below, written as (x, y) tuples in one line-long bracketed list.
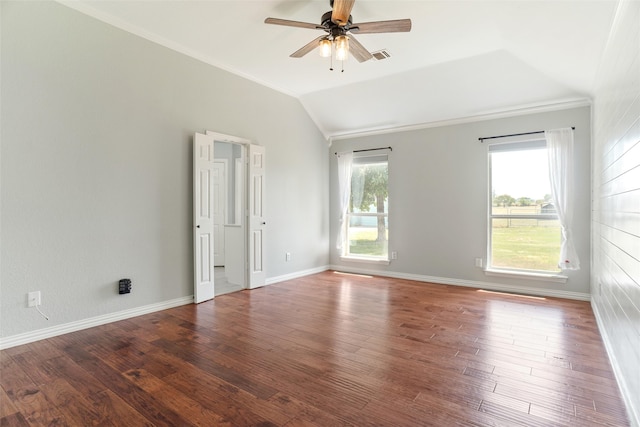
[(54, 331), (295, 275), (41, 334), (545, 277), (225, 162), (509, 147), (86, 9), (522, 111), (222, 137), (469, 283), (245, 145), (631, 402), (353, 258)]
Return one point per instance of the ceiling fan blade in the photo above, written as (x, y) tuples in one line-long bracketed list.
[(394, 26), (307, 48), (342, 11), (288, 23), (358, 51)]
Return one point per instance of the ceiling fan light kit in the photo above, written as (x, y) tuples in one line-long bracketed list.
[(339, 26), (342, 48), (325, 48)]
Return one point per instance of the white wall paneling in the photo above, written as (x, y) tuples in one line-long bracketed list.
[(615, 279)]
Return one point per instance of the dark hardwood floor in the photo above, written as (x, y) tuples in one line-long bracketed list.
[(325, 350)]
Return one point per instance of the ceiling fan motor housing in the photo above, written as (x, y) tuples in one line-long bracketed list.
[(327, 23), (338, 24)]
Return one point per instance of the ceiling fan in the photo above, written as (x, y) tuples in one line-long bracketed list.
[(338, 25)]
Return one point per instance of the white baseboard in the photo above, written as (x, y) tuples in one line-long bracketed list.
[(54, 331), (41, 334), (557, 293), (632, 403), (297, 274)]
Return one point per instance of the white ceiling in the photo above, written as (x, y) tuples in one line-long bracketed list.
[(462, 59)]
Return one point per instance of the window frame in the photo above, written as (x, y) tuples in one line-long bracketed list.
[(514, 272), (345, 254)]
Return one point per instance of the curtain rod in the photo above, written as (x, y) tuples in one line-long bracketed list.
[(370, 149), (515, 134)]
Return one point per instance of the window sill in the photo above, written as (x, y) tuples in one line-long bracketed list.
[(365, 260), (545, 277)]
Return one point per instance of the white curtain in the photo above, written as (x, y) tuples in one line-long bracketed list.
[(345, 161), (560, 149)]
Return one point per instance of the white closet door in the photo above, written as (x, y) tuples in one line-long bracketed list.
[(257, 221), (203, 238)]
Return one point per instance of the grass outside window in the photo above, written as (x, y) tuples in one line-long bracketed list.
[(364, 241), (526, 246)]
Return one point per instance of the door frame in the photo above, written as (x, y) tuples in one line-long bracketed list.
[(220, 261), (245, 144)]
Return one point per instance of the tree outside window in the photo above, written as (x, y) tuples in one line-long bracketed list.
[(368, 208)]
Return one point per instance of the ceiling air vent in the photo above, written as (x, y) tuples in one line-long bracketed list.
[(380, 55)]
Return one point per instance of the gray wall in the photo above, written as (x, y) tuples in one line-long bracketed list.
[(615, 282), (438, 201), (96, 175)]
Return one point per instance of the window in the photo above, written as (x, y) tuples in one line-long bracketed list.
[(524, 230), (367, 220)]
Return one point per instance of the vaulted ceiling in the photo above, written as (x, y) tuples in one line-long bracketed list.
[(462, 59)]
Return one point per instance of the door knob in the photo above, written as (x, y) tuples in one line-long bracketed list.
[(197, 226)]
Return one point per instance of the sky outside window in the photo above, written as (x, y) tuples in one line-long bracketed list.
[(520, 173)]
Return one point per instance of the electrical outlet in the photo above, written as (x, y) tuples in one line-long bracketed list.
[(287, 256), (479, 262), (394, 255), (34, 299)]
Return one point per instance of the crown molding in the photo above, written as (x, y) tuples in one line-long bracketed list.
[(520, 111), (86, 9)]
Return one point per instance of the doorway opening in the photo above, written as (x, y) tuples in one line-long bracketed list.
[(240, 224), (229, 223)]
